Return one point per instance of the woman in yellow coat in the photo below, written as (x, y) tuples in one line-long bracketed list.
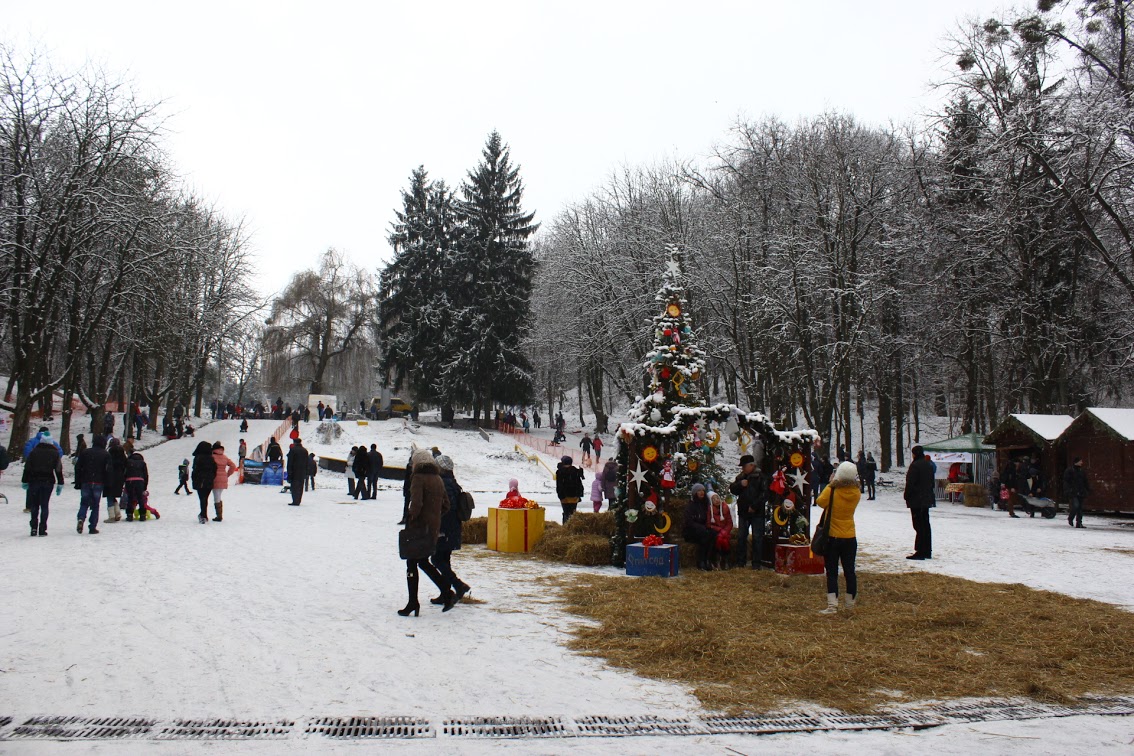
[(842, 496)]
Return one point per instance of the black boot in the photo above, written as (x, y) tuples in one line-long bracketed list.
[(413, 607)]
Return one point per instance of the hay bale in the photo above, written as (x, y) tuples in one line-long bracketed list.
[(475, 531), (588, 550), (976, 495), (554, 543), (587, 523)]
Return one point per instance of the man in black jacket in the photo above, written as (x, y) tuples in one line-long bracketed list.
[(91, 475), (1076, 488), (297, 461), (751, 494), (374, 458), (920, 499), (361, 469), (42, 468)]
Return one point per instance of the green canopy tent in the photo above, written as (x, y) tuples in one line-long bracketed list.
[(969, 448)]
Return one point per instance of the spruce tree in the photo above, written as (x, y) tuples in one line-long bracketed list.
[(415, 304), (494, 269)]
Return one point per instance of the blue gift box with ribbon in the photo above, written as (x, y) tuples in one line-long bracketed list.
[(661, 561)]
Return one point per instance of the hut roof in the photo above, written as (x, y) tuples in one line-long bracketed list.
[(1046, 427), (969, 442), (1119, 421)]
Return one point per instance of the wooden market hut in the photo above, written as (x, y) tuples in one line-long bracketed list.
[(1104, 438), (1037, 436)]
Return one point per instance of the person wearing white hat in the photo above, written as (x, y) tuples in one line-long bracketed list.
[(841, 496)]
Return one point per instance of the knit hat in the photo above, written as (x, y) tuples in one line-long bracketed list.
[(696, 488), (435, 452), (566, 459), (217, 445), (514, 485), (185, 462), (45, 433), (846, 472), (445, 462)]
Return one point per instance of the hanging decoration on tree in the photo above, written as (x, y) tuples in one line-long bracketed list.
[(649, 454), (668, 482), (798, 480), (638, 477)]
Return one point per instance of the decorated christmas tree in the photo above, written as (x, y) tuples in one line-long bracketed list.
[(670, 438)]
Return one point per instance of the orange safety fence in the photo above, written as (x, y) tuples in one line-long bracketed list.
[(553, 450)]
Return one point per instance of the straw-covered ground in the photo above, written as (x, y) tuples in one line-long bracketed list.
[(748, 641), (754, 641)]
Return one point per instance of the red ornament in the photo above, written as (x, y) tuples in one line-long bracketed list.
[(667, 479), (665, 373), (668, 332)]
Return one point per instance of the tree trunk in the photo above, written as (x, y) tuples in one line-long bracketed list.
[(899, 406)]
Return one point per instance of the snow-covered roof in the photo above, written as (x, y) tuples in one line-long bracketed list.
[(1048, 427), (1121, 421)]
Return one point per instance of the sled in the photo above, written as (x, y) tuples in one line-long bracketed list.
[(1032, 504)]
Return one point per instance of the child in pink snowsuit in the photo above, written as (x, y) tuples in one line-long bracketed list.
[(596, 493)]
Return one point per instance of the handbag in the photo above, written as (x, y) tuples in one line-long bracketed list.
[(415, 542), (822, 537)]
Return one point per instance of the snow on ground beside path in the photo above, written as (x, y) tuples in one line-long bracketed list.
[(290, 612)]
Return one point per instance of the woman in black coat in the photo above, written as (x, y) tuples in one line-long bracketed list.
[(115, 480), (204, 472), (361, 469)]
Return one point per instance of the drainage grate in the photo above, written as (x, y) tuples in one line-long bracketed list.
[(371, 727), (506, 727), (862, 722), (722, 725), (225, 729), (66, 728), (640, 725), (984, 711)]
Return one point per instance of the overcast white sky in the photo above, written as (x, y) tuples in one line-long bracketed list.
[(307, 118)]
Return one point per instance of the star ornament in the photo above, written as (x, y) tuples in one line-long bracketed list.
[(673, 267), (638, 476), (798, 480)]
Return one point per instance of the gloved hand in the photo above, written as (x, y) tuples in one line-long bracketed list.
[(58, 488), (24, 486)]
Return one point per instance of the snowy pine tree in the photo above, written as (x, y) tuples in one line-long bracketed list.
[(494, 270)]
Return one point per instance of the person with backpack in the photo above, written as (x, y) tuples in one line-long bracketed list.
[(137, 482), (568, 486), (43, 466), (91, 473), (204, 471), (449, 539), (183, 478)]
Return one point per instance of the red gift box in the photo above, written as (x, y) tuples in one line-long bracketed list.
[(797, 560)]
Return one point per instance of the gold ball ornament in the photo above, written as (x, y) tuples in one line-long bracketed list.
[(674, 311)]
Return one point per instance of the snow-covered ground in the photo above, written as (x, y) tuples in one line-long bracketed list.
[(290, 612)]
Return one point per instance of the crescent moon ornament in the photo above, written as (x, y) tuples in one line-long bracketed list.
[(668, 524), (716, 439), (781, 521)]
